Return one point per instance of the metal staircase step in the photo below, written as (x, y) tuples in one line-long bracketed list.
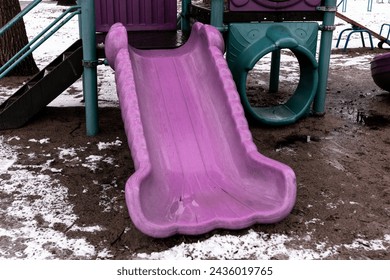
[(42, 88)]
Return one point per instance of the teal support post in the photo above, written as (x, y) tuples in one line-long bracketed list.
[(217, 9), (185, 21), (275, 70), (90, 62), (324, 55), (80, 20)]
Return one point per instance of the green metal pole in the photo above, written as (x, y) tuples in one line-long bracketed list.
[(217, 9), (185, 21), (324, 56), (80, 20), (275, 70), (88, 35)]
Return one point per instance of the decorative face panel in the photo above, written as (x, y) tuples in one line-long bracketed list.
[(273, 5)]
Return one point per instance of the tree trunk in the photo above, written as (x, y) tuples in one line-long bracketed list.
[(14, 39)]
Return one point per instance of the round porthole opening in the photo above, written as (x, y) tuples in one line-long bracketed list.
[(267, 85)]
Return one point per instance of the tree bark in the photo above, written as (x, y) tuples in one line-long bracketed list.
[(14, 39)]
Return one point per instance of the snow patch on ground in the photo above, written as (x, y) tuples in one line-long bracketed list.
[(262, 246), (33, 205), (107, 145)]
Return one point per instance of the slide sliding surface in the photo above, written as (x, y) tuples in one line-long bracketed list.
[(197, 167)]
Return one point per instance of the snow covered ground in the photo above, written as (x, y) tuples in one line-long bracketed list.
[(24, 238)]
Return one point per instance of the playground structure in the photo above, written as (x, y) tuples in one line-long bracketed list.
[(380, 65), (203, 171), (307, 98), (39, 91), (197, 168), (161, 33), (359, 28), (351, 31), (343, 4)]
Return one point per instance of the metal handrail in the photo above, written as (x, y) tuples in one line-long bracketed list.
[(31, 46), (382, 29), (86, 10), (19, 16), (344, 7)]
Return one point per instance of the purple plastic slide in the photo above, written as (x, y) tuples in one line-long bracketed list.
[(197, 168)]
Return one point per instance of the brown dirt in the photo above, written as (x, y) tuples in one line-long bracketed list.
[(343, 172)]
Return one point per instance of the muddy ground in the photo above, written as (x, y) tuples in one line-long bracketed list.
[(341, 161)]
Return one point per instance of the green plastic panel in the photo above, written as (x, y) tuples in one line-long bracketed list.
[(247, 43)]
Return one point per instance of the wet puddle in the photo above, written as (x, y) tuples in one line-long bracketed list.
[(372, 120)]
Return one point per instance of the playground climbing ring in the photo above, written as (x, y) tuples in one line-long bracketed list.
[(248, 43)]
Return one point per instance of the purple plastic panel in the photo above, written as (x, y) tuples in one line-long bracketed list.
[(136, 15), (381, 63), (273, 5), (380, 70), (196, 165)]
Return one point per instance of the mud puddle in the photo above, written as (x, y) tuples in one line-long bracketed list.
[(373, 120)]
